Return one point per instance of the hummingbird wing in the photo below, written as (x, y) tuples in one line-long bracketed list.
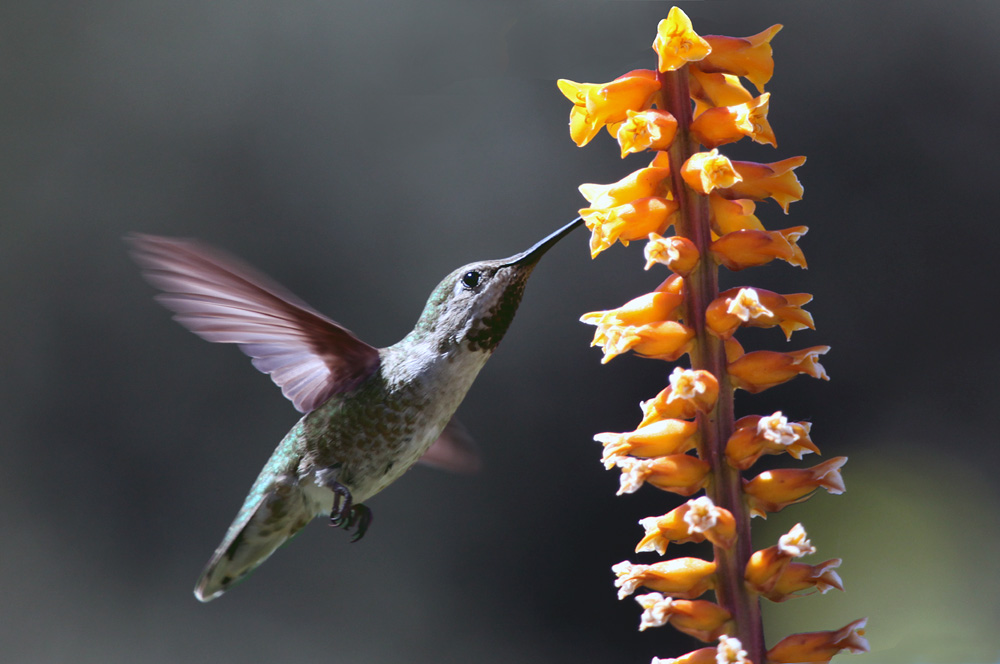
[(454, 450), (221, 299)]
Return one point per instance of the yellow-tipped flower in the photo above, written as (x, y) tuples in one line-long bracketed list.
[(759, 181), (682, 578), (678, 253), (646, 130), (728, 124), (763, 369), (694, 521), (820, 647), (749, 57), (774, 490), (756, 307), (627, 222), (682, 474), (653, 440), (596, 105), (677, 43), (755, 436), (688, 393), (699, 618), (742, 249), (706, 171)]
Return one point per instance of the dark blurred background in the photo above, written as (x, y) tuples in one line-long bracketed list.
[(357, 152)]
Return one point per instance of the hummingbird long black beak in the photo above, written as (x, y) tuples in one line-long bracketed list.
[(534, 253)]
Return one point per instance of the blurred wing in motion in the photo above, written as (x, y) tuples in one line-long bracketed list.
[(222, 299)]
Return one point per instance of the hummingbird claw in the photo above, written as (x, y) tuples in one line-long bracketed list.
[(362, 516), (346, 514), (342, 506)]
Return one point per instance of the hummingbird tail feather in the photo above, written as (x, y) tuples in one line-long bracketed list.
[(255, 534)]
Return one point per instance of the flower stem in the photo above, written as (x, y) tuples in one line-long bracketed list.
[(709, 353)]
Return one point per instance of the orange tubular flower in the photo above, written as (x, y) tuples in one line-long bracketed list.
[(727, 124), (699, 656), (755, 436), (677, 253), (646, 130), (760, 181), (711, 90), (767, 565), (596, 105), (677, 43), (652, 307), (698, 618), (762, 369), (681, 578), (797, 577), (773, 490), (706, 171), (688, 393), (749, 57), (682, 474), (689, 438), (657, 439), (733, 215), (750, 248), (658, 341), (649, 181), (820, 647), (756, 307), (627, 222), (694, 521)]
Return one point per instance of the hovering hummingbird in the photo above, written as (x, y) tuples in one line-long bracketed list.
[(369, 413)]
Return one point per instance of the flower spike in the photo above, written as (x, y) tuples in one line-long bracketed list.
[(689, 439)]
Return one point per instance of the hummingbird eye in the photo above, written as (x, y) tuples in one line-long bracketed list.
[(470, 279)]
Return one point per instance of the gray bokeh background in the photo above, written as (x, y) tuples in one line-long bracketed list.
[(358, 152)]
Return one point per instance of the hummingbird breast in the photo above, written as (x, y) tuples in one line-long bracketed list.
[(369, 437)]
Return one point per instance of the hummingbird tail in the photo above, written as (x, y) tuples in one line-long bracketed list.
[(260, 528)]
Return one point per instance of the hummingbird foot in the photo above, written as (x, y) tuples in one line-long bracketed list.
[(346, 514)]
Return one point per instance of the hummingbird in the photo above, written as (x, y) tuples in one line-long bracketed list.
[(369, 413)]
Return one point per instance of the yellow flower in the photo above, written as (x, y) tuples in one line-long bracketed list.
[(760, 181), (657, 439), (667, 340), (699, 618), (679, 254), (646, 130), (596, 105), (694, 521), (645, 182), (652, 307), (797, 577), (727, 124), (762, 369), (677, 43), (682, 474), (749, 57), (742, 249), (689, 392), (699, 656), (773, 490), (630, 221), (708, 90), (755, 436), (820, 647), (683, 578), (756, 307), (705, 171), (733, 215)]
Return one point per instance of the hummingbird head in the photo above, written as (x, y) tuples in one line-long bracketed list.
[(474, 305)]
